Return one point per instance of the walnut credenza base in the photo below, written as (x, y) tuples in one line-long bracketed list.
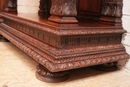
[(60, 48)]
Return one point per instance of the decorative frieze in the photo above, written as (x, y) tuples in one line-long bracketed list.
[(43, 36), (65, 42), (60, 54), (66, 31), (81, 41)]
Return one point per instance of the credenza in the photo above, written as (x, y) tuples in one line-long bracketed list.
[(67, 34)]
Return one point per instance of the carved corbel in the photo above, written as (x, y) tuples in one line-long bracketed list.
[(111, 12), (63, 12), (11, 6)]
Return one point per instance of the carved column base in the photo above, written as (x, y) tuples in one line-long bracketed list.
[(45, 75), (60, 19), (63, 21)]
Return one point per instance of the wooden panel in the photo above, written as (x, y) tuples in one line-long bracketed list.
[(91, 7), (2, 4)]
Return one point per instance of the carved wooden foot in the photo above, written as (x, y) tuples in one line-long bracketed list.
[(3, 39), (45, 75)]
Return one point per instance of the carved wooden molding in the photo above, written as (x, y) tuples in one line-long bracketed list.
[(61, 66), (66, 32), (61, 57)]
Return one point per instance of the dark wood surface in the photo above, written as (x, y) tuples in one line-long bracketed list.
[(2, 5), (40, 19), (91, 7)]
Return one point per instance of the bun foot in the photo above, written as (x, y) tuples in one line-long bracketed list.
[(52, 77)]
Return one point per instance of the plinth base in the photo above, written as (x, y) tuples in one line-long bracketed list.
[(60, 19)]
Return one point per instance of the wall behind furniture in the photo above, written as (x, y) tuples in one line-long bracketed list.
[(28, 6), (126, 26)]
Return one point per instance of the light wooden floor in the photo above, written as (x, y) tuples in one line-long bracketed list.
[(18, 70)]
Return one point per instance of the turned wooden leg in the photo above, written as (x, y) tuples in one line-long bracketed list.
[(3, 39), (45, 75)]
